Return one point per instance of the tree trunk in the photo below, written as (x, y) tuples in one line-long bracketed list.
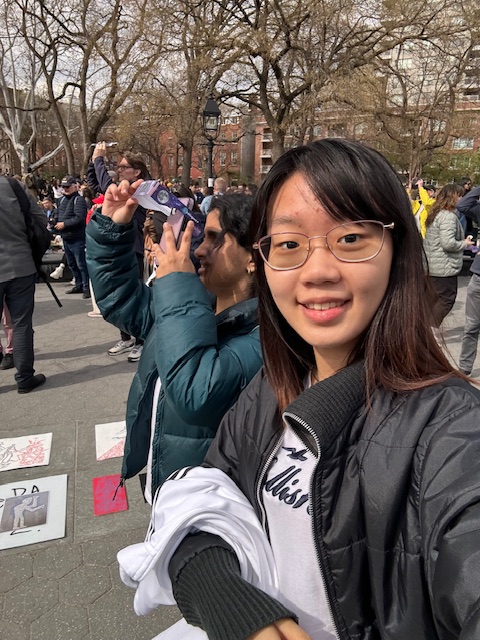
[(187, 163)]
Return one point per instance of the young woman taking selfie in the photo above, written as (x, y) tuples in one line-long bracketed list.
[(357, 443)]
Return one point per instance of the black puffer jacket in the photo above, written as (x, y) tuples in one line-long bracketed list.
[(396, 501), (72, 211)]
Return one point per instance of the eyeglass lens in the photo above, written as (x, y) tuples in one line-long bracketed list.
[(351, 242)]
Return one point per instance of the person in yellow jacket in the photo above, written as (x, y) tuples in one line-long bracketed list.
[(420, 208)]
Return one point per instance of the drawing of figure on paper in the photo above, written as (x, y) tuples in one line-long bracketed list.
[(24, 512), (27, 504), (6, 455)]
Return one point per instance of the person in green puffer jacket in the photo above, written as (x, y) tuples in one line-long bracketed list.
[(196, 359)]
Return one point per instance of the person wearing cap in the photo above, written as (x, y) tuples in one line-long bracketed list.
[(72, 213)]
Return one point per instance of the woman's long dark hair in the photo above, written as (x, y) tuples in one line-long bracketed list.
[(354, 182)]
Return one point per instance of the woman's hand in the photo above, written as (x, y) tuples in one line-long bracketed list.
[(100, 151), (119, 204), (174, 260), (284, 629)]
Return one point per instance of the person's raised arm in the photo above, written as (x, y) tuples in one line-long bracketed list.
[(101, 173)]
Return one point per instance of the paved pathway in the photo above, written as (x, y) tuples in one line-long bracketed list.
[(69, 589)]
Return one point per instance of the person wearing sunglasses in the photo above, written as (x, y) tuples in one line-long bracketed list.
[(130, 167), (355, 448)]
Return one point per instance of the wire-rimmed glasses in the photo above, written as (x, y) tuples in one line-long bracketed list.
[(357, 241)]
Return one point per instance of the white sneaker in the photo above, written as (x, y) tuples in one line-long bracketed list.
[(121, 347), (72, 282), (58, 272), (135, 353)]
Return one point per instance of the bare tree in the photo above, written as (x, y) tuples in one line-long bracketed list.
[(21, 99), (99, 51), (294, 51), (199, 52)]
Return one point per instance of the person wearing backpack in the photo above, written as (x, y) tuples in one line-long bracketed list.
[(72, 214), (17, 279)]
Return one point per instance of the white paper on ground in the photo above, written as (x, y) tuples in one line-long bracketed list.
[(32, 511), (110, 439), (181, 630), (25, 451)]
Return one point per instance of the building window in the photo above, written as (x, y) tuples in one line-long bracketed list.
[(223, 158), (170, 143), (234, 158), (462, 143), (170, 162), (317, 130), (234, 136)]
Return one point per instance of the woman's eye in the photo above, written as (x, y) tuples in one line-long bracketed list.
[(351, 238), (288, 244)]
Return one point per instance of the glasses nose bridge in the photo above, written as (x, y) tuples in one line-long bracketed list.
[(317, 245)]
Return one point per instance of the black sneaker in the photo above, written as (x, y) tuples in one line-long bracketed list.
[(74, 290), (86, 295), (7, 361), (34, 382)]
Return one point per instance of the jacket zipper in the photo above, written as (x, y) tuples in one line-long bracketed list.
[(318, 553)]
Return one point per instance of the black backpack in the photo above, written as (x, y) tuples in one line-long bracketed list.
[(38, 234)]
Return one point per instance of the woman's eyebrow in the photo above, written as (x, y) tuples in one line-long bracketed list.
[(285, 219)]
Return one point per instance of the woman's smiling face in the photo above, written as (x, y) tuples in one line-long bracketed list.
[(329, 303)]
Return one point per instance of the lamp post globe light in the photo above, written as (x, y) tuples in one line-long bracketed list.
[(211, 128)]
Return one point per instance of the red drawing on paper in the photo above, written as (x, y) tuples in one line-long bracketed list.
[(32, 454), (108, 496), (25, 451), (115, 452)]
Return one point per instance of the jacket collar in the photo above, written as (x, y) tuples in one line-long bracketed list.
[(328, 405), (243, 315)]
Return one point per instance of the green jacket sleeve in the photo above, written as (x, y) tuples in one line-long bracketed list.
[(200, 376), (123, 299)]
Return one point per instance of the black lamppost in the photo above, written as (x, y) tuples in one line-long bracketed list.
[(211, 128)]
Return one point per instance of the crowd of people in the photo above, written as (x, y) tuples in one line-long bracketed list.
[(311, 451)]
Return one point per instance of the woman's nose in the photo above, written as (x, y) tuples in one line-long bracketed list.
[(321, 264), (200, 251)]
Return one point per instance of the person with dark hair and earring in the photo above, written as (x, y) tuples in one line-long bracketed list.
[(339, 498), (196, 359)]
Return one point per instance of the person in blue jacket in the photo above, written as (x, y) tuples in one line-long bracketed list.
[(197, 358)]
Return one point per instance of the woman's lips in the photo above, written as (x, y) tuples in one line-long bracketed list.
[(322, 312)]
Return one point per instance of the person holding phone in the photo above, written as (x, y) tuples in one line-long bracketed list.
[(196, 358), (356, 446)]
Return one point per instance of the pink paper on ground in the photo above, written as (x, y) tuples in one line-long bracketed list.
[(103, 491)]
